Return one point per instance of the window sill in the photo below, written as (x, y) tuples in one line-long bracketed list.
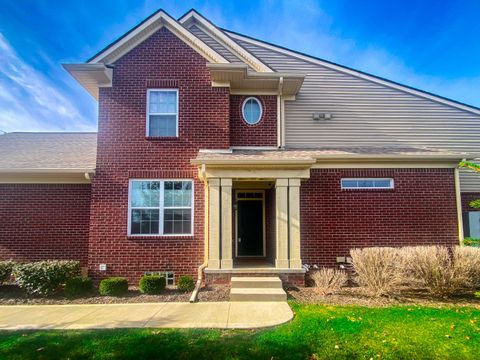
[(162, 138), (160, 237), (368, 190)]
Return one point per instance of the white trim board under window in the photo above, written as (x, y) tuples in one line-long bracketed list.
[(160, 207), (366, 183), (162, 113)]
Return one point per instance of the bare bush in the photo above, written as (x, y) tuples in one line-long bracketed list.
[(442, 273), (377, 269), (467, 262), (328, 281)]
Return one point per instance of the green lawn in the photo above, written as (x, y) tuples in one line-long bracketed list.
[(317, 332)]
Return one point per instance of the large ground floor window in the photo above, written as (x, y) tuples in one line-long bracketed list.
[(160, 207)]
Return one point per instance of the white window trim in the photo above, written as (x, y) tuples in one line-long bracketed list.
[(161, 209), (259, 104), (147, 127), (391, 186)]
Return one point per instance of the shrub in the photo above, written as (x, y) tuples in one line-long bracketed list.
[(78, 286), (152, 284), (6, 268), (467, 263), (114, 286), (378, 269), (434, 268), (468, 241), (328, 281), (44, 278), (186, 283), (474, 204)]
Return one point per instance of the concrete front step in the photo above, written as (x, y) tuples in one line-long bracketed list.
[(257, 294), (272, 282)]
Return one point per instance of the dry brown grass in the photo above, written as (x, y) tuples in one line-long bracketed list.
[(328, 281), (378, 269), (441, 272)]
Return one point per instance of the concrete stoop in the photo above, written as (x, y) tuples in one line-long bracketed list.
[(268, 288)]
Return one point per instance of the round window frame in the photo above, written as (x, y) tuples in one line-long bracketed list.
[(243, 110)]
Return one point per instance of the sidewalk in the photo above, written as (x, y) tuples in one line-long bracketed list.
[(225, 315)]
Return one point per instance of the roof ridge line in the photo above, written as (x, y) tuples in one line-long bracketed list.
[(363, 74)]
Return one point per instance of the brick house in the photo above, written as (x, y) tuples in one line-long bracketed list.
[(220, 153)]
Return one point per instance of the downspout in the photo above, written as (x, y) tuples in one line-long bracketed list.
[(198, 284), (280, 109), (458, 197)]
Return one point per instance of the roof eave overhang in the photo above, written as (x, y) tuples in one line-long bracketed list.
[(46, 176), (241, 81), (91, 76)]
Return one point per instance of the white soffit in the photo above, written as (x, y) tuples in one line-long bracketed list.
[(148, 28), (353, 72), (91, 76), (192, 17)]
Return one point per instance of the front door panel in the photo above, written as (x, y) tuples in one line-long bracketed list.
[(250, 228)]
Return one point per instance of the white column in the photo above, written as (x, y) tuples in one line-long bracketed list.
[(226, 186), (281, 222), (294, 223), (214, 223)]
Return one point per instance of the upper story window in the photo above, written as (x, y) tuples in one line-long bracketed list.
[(252, 110), (162, 112), (160, 207), (362, 183)]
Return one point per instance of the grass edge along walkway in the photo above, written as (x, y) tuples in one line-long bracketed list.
[(317, 332)]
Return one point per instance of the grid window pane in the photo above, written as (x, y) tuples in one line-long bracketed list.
[(162, 125), (163, 102), (177, 221), (145, 194), (178, 194), (145, 221)]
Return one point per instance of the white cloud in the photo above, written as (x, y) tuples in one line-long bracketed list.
[(29, 101)]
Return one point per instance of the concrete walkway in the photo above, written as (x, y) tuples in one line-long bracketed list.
[(225, 315)]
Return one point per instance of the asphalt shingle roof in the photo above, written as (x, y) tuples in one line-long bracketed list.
[(43, 151)]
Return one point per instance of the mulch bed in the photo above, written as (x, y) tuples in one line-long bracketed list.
[(358, 296), (12, 295)]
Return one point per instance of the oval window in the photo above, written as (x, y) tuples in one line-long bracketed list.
[(252, 110)]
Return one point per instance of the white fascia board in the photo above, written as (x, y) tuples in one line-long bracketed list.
[(355, 73), (224, 40), (155, 23)]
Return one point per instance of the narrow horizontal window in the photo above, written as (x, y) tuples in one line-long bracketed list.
[(160, 207), (361, 183), (162, 112)]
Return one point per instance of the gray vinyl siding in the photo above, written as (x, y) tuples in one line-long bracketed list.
[(368, 113), (215, 45)]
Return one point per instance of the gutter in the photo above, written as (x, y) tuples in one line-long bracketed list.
[(202, 267)]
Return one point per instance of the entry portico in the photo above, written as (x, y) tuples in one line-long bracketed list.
[(229, 180)]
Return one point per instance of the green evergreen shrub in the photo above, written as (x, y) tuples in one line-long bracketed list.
[(185, 283), (152, 284), (78, 286), (113, 286)]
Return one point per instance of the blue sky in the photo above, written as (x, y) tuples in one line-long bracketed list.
[(432, 45)]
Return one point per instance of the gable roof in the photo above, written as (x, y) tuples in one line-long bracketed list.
[(348, 70), (48, 152), (144, 30), (193, 17)]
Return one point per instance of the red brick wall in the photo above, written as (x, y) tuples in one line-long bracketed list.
[(466, 198), (420, 210), (263, 133), (44, 221), (162, 61)]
